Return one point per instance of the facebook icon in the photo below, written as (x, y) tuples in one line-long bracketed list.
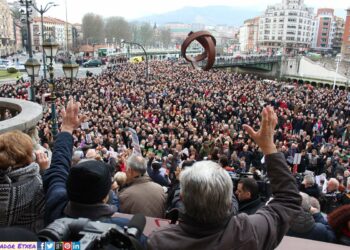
[(75, 245), (41, 245)]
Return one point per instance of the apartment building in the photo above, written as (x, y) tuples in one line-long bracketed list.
[(328, 31), (345, 50), (248, 35), (338, 35), (61, 31), (7, 30), (287, 27)]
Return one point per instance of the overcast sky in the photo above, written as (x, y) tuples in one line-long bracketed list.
[(131, 9)]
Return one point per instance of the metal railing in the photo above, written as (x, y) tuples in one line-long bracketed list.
[(245, 61)]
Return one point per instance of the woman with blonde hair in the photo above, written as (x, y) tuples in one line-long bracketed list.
[(21, 189)]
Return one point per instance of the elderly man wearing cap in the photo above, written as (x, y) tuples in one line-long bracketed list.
[(80, 191)]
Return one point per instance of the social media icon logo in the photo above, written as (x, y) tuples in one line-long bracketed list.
[(67, 245), (58, 245), (75, 245), (49, 245), (41, 245)]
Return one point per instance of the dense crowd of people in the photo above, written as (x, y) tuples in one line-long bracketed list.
[(151, 132)]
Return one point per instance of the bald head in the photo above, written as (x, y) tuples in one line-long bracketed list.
[(332, 185)]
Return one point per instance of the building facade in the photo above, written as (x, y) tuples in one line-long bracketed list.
[(64, 33), (338, 35), (287, 27), (248, 35), (7, 30), (345, 49), (18, 36), (328, 30)]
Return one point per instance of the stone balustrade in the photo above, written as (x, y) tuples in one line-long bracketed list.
[(25, 114)]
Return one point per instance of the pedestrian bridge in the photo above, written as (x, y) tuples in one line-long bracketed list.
[(256, 62)]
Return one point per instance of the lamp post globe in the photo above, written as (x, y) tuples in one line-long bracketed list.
[(70, 69), (32, 67), (50, 48)]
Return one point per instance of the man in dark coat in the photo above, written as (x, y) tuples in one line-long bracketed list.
[(206, 191), (248, 196), (310, 187)]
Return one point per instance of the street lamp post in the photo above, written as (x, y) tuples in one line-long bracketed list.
[(32, 67), (42, 11), (144, 51), (337, 60), (70, 70), (50, 48), (27, 4)]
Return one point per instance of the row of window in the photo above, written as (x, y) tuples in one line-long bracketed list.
[(288, 38), (291, 20)]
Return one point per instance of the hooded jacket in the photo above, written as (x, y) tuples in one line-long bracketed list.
[(22, 197)]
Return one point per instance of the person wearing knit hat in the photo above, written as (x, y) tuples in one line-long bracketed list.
[(89, 182)]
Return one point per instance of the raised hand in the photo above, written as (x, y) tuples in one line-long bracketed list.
[(264, 136), (71, 117), (42, 160)]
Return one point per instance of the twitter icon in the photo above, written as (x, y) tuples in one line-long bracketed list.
[(49, 246)]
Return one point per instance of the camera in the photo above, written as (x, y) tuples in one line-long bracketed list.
[(330, 202), (96, 234)]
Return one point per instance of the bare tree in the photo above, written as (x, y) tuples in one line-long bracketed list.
[(165, 37), (146, 33), (93, 28), (118, 28)]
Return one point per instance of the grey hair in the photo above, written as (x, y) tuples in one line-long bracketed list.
[(137, 163), (309, 179), (306, 201), (206, 191), (315, 203)]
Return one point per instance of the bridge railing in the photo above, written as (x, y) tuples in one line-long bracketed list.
[(242, 61)]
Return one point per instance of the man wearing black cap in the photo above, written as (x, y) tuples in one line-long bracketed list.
[(80, 191)]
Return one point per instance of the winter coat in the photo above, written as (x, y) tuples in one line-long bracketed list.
[(313, 191), (22, 198), (250, 206), (143, 196), (304, 226)]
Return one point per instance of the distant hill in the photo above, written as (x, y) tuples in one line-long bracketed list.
[(210, 15)]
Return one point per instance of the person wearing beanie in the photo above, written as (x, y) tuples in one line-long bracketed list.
[(79, 191)]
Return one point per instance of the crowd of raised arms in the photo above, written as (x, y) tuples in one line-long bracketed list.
[(181, 117)]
